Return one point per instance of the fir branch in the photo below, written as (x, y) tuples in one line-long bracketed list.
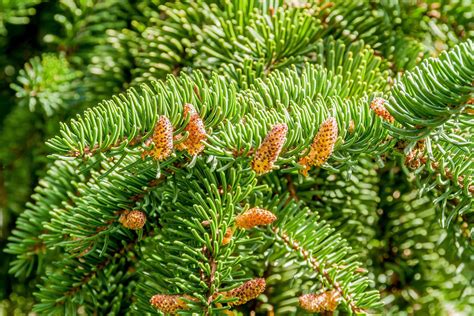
[(164, 44), (429, 103), (313, 241), (48, 83), (75, 275), (433, 93), (16, 12), (197, 224), (26, 242), (257, 91), (101, 196), (227, 138), (294, 244)]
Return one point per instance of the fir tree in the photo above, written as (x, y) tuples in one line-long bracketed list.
[(238, 157)]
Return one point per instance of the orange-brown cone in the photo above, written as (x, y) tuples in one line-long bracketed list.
[(322, 146), (133, 219), (168, 303), (270, 149), (254, 217), (316, 303), (162, 139), (196, 132), (377, 105), (228, 236), (247, 291)]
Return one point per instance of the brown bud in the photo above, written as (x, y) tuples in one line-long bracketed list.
[(228, 236), (247, 291), (434, 14), (322, 146), (351, 127), (254, 217), (316, 303), (133, 219), (168, 303), (268, 152), (271, 11), (162, 139), (196, 132), (416, 157), (377, 105)]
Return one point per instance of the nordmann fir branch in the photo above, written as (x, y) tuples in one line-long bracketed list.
[(102, 265), (171, 303), (295, 245), (82, 139), (417, 157)]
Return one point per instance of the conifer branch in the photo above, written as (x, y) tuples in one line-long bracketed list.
[(26, 242), (69, 285), (184, 194), (302, 234), (294, 244), (433, 93), (202, 216)]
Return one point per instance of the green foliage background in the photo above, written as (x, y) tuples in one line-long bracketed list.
[(410, 228)]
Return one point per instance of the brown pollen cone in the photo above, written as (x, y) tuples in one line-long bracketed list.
[(227, 236), (168, 303), (322, 147), (162, 139), (246, 292), (270, 149), (316, 303), (133, 219), (254, 217), (196, 132), (377, 105)]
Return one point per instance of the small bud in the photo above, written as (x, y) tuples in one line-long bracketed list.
[(254, 217), (133, 219), (162, 139), (246, 292), (377, 105), (167, 303), (351, 127), (228, 236), (322, 146), (416, 157), (271, 11), (324, 302), (196, 132), (434, 14), (268, 152)]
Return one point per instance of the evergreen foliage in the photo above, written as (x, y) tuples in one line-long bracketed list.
[(237, 157)]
